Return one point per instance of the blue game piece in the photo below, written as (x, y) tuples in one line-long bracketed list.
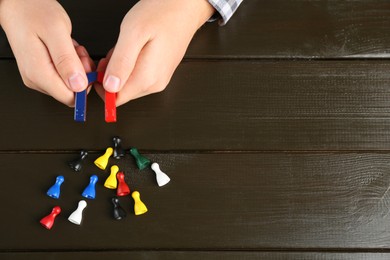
[(80, 107), (89, 191), (55, 190)]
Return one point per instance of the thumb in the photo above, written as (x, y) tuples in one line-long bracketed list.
[(122, 61), (66, 61)]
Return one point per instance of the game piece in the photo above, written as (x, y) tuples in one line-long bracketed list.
[(119, 212), (77, 164), (140, 160), (48, 221), (55, 190), (161, 177), (111, 182), (123, 189), (118, 150), (139, 206), (77, 215), (110, 107), (89, 192), (102, 161)]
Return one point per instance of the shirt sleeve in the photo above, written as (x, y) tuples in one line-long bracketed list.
[(225, 9)]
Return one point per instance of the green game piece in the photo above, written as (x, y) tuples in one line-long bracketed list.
[(142, 162)]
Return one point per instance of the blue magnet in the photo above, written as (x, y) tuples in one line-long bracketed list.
[(92, 77), (80, 108)]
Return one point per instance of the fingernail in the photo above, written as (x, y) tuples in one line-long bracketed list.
[(77, 82), (112, 84)]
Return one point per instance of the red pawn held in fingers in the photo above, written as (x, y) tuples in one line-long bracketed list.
[(48, 221), (123, 189)]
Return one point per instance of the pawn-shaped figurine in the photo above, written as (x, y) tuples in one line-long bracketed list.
[(123, 189), (139, 206), (55, 190), (48, 221), (111, 182), (141, 161), (161, 177), (118, 150), (89, 192), (102, 161), (77, 215), (77, 164), (119, 212)]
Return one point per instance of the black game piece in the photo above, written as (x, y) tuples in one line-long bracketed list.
[(77, 164), (118, 150), (119, 212)]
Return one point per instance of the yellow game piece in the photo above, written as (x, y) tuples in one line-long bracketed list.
[(111, 182), (139, 206), (102, 161)]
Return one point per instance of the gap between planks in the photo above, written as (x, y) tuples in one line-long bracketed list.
[(203, 151)]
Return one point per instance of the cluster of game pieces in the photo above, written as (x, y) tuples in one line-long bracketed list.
[(80, 108), (115, 180)]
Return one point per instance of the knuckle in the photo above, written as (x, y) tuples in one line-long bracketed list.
[(159, 86), (69, 103), (149, 84), (135, 31), (55, 25), (63, 61), (63, 20), (124, 61), (29, 79), (162, 83), (27, 82), (153, 83)]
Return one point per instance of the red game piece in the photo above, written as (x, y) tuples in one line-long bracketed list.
[(110, 107), (123, 189), (48, 221)]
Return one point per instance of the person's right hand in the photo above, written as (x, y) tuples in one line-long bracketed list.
[(49, 61)]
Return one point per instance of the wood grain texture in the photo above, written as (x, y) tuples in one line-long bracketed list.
[(226, 105), (191, 255), (274, 131), (260, 29), (265, 201)]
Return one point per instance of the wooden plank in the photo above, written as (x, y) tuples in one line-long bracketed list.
[(260, 29), (196, 255), (243, 201), (226, 105)]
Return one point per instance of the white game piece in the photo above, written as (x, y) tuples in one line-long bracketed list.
[(77, 215), (161, 177)]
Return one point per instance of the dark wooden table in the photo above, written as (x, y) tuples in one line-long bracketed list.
[(275, 130)]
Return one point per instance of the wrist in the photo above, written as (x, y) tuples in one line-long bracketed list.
[(206, 11)]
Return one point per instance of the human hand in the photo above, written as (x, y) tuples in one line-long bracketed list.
[(154, 36), (49, 61)]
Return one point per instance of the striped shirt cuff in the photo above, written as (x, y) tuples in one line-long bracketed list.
[(225, 8)]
